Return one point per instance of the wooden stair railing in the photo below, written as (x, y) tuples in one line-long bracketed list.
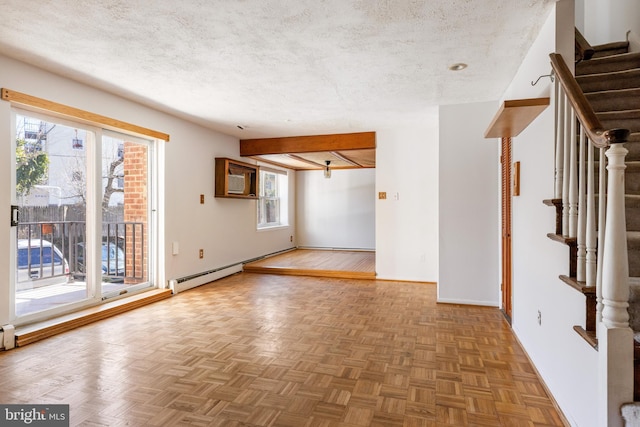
[(575, 178), (602, 259), (598, 136)]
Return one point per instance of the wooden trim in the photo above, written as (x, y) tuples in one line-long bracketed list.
[(77, 114), (344, 159), (584, 51), (514, 116), (272, 170), (308, 144), (336, 274), (588, 336), (307, 161), (600, 137), (39, 331), (507, 221), (557, 204)]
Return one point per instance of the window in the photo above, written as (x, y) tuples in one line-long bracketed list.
[(273, 200)]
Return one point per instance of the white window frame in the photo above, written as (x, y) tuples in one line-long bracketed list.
[(281, 198)]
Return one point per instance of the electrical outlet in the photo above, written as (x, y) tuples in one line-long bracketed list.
[(201, 253), (291, 239), (539, 317), (202, 199)]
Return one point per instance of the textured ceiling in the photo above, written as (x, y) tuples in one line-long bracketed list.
[(280, 68)]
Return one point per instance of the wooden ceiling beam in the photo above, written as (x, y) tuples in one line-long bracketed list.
[(307, 161), (308, 144), (345, 159)]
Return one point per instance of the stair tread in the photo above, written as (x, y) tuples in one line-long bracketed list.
[(614, 57), (614, 99), (607, 64), (599, 82), (632, 114), (613, 93), (611, 46)]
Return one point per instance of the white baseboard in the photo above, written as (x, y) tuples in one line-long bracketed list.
[(468, 302)]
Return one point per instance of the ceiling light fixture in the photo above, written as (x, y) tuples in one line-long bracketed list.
[(458, 67), (327, 171)]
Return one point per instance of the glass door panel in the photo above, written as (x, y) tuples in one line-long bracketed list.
[(125, 260), (51, 171)]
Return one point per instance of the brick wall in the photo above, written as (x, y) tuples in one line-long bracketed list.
[(136, 181)]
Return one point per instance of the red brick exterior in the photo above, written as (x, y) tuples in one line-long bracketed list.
[(136, 181)]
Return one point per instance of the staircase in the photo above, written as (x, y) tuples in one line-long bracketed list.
[(610, 81), (609, 77)]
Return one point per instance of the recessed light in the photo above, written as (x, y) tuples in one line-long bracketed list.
[(458, 67)]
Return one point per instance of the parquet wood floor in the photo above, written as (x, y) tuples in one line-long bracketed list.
[(269, 350)]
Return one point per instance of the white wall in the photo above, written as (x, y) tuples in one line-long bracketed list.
[(224, 228), (407, 227), (604, 21), (338, 212), (568, 365), (468, 204)]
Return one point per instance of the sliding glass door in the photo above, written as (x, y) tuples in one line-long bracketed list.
[(83, 214), (126, 213)]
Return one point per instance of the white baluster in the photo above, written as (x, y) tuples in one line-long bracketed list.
[(559, 140), (567, 168), (573, 175), (615, 273), (602, 226), (591, 239), (582, 211)]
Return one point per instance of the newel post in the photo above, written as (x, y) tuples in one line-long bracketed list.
[(615, 338)]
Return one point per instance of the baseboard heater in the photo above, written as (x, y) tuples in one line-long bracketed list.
[(187, 282), (7, 337)]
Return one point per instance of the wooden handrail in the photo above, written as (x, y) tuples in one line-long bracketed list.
[(599, 136), (584, 51)]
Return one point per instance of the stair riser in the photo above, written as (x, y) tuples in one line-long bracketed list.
[(633, 125), (627, 80), (614, 101), (634, 261), (608, 65), (609, 52), (633, 155), (631, 181), (634, 306), (632, 215)]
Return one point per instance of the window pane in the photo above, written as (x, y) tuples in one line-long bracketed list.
[(125, 212), (270, 185), (51, 190)]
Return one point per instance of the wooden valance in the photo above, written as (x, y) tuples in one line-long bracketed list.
[(45, 106)]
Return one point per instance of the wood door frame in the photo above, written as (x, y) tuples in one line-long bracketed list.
[(506, 227)]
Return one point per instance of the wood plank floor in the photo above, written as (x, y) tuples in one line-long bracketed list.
[(321, 263), (270, 350)]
